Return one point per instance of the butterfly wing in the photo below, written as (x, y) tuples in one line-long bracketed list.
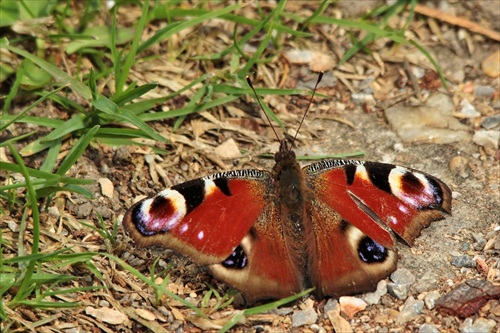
[(264, 265), (229, 221), (204, 219), (355, 206)]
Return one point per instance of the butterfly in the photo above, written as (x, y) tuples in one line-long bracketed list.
[(330, 225)]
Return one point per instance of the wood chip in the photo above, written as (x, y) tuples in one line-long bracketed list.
[(107, 315), (107, 188), (228, 150), (459, 21), (177, 314), (467, 298), (339, 323), (145, 314), (351, 305)]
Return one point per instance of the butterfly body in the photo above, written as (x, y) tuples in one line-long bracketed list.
[(329, 225)]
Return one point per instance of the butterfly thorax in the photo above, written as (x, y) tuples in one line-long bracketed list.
[(290, 190)]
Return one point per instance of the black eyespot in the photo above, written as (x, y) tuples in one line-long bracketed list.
[(237, 260), (370, 251)]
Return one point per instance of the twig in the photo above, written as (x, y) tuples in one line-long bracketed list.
[(457, 20)]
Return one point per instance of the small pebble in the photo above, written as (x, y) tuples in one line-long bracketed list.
[(491, 122), (467, 110), (459, 166), (400, 291), (431, 123), (491, 65), (431, 298), (374, 297), (361, 98), (331, 304), (351, 305), (484, 91), (463, 261), (486, 138), (314, 327), (228, 150), (427, 328), (283, 311), (479, 241), (482, 325), (104, 304), (411, 309), (464, 246), (304, 317), (402, 276)]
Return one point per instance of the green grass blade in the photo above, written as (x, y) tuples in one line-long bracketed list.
[(167, 32), (13, 119), (121, 79), (76, 151), (262, 308), (60, 76), (109, 107), (187, 110), (73, 124), (40, 121), (32, 203), (137, 92), (52, 155), (41, 174)]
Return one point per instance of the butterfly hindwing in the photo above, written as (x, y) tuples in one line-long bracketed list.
[(342, 259), (263, 266), (205, 218)]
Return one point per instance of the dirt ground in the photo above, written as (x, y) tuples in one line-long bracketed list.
[(343, 123)]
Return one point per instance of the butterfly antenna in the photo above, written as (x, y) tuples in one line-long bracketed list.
[(262, 107), (308, 107)]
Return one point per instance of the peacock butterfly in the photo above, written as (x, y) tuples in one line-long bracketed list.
[(329, 225)]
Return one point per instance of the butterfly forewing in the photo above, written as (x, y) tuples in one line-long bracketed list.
[(374, 195), (205, 218), (354, 207)]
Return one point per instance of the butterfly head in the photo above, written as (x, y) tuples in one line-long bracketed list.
[(285, 152)]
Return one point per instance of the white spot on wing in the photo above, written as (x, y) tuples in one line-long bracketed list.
[(184, 228), (392, 220), (201, 234), (403, 209), (361, 173), (210, 186), (163, 223), (413, 199)]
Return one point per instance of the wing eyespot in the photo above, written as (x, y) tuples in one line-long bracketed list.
[(236, 260), (370, 251)]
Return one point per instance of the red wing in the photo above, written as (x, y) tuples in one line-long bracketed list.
[(342, 259), (205, 218), (263, 265), (369, 195), (351, 206)]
